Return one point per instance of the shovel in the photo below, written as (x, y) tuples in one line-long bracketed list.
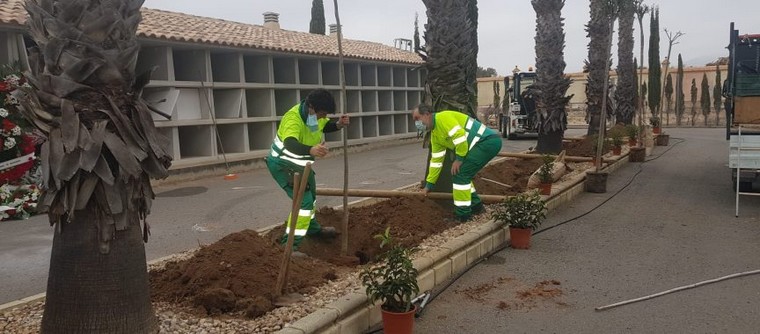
[(299, 186)]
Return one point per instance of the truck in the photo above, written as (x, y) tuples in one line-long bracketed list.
[(741, 91), (520, 118)]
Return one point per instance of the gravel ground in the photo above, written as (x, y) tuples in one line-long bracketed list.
[(26, 319)]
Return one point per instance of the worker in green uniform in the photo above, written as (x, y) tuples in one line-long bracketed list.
[(474, 144), (298, 142)]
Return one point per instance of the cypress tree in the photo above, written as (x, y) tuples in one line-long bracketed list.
[(680, 107), (655, 72), (317, 24), (717, 94), (704, 100)]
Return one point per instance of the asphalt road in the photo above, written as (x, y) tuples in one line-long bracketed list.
[(200, 212), (674, 225)]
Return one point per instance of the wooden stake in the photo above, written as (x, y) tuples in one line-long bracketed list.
[(299, 185), (567, 158), (487, 199), (344, 235)]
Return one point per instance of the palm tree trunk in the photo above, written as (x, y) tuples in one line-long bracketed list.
[(626, 87), (551, 82), (82, 282), (598, 31)]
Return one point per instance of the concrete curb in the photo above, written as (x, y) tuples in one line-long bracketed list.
[(350, 314), (435, 267)]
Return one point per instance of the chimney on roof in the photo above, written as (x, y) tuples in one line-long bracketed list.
[(272, 20), (333, 30)]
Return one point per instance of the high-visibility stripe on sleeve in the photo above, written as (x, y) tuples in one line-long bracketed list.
[(295, 161), (438, 155), (436, 165), (459, 140), (463, 187), (454, 130)]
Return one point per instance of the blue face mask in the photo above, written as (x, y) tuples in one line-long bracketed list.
[(421, 127), (311, 122)]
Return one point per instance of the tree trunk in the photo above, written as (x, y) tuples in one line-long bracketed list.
[(82, 282), (550, 142)]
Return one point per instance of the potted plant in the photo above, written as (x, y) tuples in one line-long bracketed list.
[(655, 122), (545, 174), (393, 283), (633, 133), (617, 141), (523, 214)]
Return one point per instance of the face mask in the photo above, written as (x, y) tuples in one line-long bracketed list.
[(421, 127), (311, 122)]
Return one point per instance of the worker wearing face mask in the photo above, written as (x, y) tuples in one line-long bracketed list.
[(474, 144), (298, 142)]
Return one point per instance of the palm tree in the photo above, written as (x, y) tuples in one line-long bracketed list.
[(451, 56), (599, 31), (102, 148), (626, 86), (551, 82)]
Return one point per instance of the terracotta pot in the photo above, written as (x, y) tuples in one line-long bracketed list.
[(519, 238), (632, 142), (663, 140), (656, 130), (401, 323), (638, 154), (617, 150), (545, 188), (596, 182)]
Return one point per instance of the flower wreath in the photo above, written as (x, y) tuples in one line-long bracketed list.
[(16, 145)]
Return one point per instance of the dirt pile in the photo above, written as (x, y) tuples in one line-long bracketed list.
[(512, 172), (237, 274)]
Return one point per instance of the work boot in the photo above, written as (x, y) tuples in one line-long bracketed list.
[(327, 232), (478, 209)]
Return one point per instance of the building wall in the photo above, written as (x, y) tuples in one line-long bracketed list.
[(246, 92)]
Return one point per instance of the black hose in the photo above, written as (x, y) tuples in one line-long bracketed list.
[(434, 293)]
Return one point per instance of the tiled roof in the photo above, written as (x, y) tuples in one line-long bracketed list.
[(173, 26)]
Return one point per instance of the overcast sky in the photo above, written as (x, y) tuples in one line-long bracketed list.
[(506, 27)]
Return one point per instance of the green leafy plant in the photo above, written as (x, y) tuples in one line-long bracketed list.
[(654, 121), (545, 171), (632, 130), (526, 210), (394, 281), (616, 136)]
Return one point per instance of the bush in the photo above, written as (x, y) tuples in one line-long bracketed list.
[(394, 282), (521, 211)]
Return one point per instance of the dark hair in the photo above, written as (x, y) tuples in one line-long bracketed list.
[(424, 109), (321, 100)]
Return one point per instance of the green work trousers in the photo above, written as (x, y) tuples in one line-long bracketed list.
[(306, 224), (465, 197)]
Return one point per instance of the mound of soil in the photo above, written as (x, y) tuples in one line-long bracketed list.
[(410, 220), (237, 274), (514, 172), (583, 148)]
